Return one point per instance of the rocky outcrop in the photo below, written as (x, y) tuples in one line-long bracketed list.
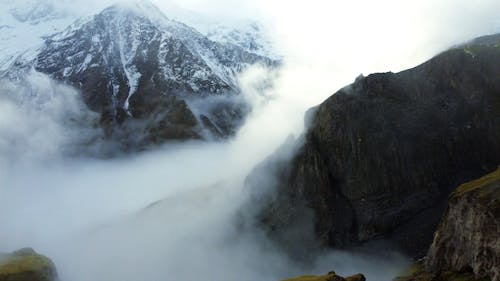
[(382, 155), (466, 244), (26, 265), (331, 276), (468, 236)]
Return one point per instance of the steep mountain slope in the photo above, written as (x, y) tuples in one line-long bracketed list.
[(146, 74), (382, 154), (25, 23)]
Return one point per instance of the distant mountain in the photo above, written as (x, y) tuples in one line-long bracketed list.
[(151, 78), (382, 155), (247, 34), (249, 37), (24, 23)]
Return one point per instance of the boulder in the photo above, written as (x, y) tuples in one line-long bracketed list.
[(26, 265)]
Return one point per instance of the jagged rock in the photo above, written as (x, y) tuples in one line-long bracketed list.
[(382, 155), (466, 245), (331, 276), (469, 234), (26, 265)]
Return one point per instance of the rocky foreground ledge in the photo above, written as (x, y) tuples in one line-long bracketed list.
[(466, 244), (26, 265)]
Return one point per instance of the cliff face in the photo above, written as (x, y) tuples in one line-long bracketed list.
[(468, 236), (382, 155)]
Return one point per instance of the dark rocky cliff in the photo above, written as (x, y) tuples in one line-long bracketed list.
[(382, 155)]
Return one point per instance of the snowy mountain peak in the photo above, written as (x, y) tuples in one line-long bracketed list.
[(142, 8)]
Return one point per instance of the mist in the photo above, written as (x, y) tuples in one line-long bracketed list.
[(165, 214), (171, 213)]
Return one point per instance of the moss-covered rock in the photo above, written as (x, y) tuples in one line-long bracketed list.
[(415, 273), (468, 236), (331, 276), (466, 245), (27, 265), (484, 186)]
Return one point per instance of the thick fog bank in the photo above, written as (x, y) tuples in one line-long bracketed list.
[(166, 214)]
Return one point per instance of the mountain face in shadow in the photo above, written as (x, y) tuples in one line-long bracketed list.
[(382, 155)]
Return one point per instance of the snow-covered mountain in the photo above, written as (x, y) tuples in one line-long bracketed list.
[(150, 77)]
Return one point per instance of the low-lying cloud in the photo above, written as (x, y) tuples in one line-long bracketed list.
[(167, 214), (92, 216), (40, 118)]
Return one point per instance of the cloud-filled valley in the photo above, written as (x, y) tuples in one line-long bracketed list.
[(173, 211)]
